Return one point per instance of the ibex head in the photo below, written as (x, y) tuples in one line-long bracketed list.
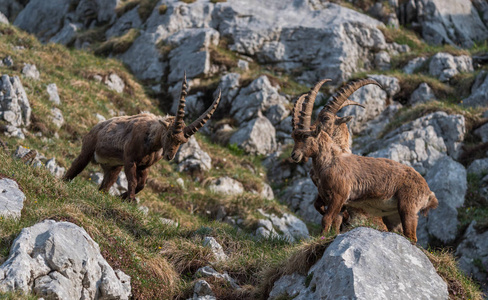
[(304, 134), (178, 133)]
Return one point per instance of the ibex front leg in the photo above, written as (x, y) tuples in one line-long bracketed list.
[(332, 213), (130, 170)]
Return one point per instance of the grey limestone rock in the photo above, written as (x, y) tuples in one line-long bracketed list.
[(453, 22), (473, 254), (11, 199), (129, 20), (366, 264), (421, 142), (59, 260), (30, 71), (422, 94), (216, 248), (479, 167), (57, 117), (287, 226), (300, 196), (115, 83), (190, 157), (257, 136), (479, 92), (3, 19), (447, 179), (52, 90), (14, 105), (414, 65), (445, 66), (226, 185)]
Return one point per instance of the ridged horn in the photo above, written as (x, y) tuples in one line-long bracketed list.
[(305, 118), (198, 123), (296, 111), (340, 100), (179, 123)]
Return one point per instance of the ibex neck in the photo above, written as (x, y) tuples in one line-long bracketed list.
[(326, 152)]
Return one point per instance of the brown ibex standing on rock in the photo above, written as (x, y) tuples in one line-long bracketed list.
[(379, 186), (135, 143)]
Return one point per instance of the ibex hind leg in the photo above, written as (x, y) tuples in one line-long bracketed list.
[(110, 174), (79, 163), (409, 218)]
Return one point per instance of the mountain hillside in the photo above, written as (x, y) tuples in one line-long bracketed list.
[(232, 217)]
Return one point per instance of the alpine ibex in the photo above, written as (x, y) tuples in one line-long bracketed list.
[(135, 143), (379, 186), (341, 138)]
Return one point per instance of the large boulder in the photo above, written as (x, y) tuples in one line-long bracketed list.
[(479, 91), (44, 19), (445, 66), (447, 179), (366, 264), (15, 109), (259, 96), (59, 260), (473, 254), (287, 227), (191, 52), (191, 158), (455, 22), (257, 136), (317, 39), (144, 57), (422, 94), (422, 142), (11, 198), (129, 20)]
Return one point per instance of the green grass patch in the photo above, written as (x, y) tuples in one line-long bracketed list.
[(117, 45)]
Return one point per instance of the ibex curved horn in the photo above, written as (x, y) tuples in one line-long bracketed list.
[(340, 100), (307, 106), (179, 122), (296, 111), (198, 123)]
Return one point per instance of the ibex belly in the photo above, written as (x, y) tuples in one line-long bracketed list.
[(107, 160), (376, 207)]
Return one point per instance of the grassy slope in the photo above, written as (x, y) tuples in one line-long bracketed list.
[(160, 259)]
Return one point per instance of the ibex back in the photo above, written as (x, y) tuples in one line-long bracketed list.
[(135, 143)]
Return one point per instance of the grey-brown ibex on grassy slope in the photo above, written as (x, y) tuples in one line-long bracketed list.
[(135, 143), (380, 186)]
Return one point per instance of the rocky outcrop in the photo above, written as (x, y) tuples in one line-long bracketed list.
[(287, 227), (422, 94), (445, 66), (300, 196), (15, 109), (479, 91), (473, 253), (359, 265), (11, 199), (257, 136), (59, 260), (414, 64), (447, 179), (446, 21), (191, 158), (422, 142), (258, 97)]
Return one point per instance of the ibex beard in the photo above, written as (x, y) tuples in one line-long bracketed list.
[(134, 143), (380, 187)]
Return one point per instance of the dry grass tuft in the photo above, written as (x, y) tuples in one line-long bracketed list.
[(458, 284), (303, 258), (119, 44)]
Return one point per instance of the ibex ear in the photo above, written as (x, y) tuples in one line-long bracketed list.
[(339, 121), (164, 122)]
